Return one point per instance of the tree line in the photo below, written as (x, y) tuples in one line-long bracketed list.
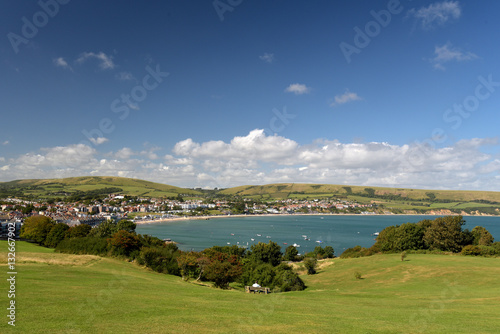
[(443, 234)]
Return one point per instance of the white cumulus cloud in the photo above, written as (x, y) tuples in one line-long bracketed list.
[(267, 57), (345, 98), (436, 14), (105, 61), (447, 52), (298, 89)]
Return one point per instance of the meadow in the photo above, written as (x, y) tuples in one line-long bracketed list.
[(60, 293)]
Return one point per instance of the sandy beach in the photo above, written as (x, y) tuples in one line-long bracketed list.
[(164, 220)]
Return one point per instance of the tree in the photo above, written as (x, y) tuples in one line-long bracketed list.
[(124, 242), (445, 234), (223, 269), (329, 252), (36, 228), (104, 230), (126, 225), (78, 231), (188, 264), (291, 253), (267, 253), (56, 234), (482, 236), (310, 264)]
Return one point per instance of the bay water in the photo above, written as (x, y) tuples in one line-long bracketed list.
[(308, 231)]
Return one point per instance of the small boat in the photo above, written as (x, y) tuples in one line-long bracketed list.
[(232, 233), (259, 235), (285, 243), (304, 236), (228, 243), (319, 241), (252, 239), (376, 233), (268, 236), (296, 246)]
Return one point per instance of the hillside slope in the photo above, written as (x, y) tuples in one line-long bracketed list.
[(61, 187), (294, 190), (88, 294)]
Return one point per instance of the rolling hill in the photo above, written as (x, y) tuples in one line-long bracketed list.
[(68, 186), (295, 190)]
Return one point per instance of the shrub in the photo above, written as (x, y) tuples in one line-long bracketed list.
[(355, 252), (291, 253), (471, 250), (87, 245), (56, 235), (287, 280), (357, 275), (124, 243), (78, 231), (160, 259), (310, 264)]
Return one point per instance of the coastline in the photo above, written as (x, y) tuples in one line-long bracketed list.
[(185, 218)]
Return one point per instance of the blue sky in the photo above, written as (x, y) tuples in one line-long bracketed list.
[(224, 93)]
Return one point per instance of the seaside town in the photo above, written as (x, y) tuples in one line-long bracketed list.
[(143, 210)]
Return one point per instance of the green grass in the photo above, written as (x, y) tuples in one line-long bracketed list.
[(424, 294)]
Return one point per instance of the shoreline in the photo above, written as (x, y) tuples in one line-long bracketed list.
[(185, 218)]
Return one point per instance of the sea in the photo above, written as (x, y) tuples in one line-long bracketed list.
[(306, 231)]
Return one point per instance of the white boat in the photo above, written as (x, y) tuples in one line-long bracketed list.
[(376, 233), (295, 245), (252, 239), (319, 241)]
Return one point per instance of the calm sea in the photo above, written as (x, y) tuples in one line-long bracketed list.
[(338, 231)]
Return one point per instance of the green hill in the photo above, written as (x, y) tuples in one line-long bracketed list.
[(68, 186), (395, 199), (61, 293), (291, 190)]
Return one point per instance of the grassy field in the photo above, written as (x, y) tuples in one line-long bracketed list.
[(58, 293)]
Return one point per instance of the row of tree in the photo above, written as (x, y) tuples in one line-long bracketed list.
[(441, 234)]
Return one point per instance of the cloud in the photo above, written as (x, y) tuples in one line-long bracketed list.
[(267, 57), (297, 89), (124, 153), (106, 62), (447, 53), (5, 143), (345, 98), (99, 140), (257, 158), (125, 76), (60, 62), (436, 14)]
